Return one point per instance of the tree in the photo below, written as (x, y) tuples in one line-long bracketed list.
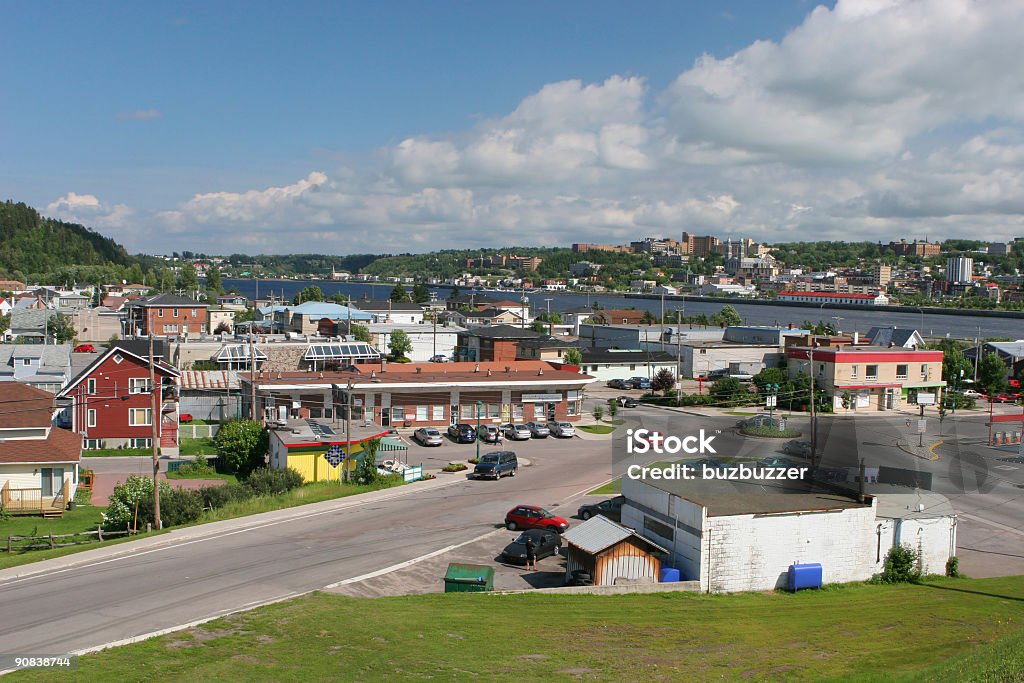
[(187, 278), (663, 381), (455, 293), (728, 391), (728, 316), (598, 412), (954, 365), (573, 357), (60, 328), (769, 376), (311, 293), (241, 446), (222, 327), (400, 344), (420, 293), (539, 326), (992, 374), (398, 294), (5, 323), (165, 280), (366, 471), (338, 298), (360, 333), (648, 318), (613, 407), (213, 282)]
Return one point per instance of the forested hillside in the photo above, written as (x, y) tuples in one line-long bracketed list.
[(31, 245)]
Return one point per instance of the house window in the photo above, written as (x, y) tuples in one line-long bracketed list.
[(397, 413), (493, 410), (138, 385), (26, 361), (924, 372), (437, 413), (193, 313), (517, 411), (872, 372), (170, 329), (901, 371), (174, 312), (159, 312), (466, 411), (90, 385), (90, 444), (853, 372), (140, 417), (422, 412), (571, 408), (703, 350), (140, 443), (632, 367), (91, 417), (118, 358)]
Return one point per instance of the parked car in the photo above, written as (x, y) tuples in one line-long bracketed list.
[(627, 401), (462, 433), (488, 434), (545, 544), (533, 517), (539, 430), (516, 432), (428, 436), (640, 382), (185, 417), (971, 393), (700, 463), (758, 421), (776, 462), (800, 449), (439, 358), (563, 430), (85, 348), (1007, 398), (620, 384), (611, 508), (496, 465)]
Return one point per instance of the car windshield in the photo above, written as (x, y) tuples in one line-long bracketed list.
[(489, 459), (430, 432), (525, 535), (545, 514)]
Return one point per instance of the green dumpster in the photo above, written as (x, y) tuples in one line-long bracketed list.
[(468, 578)]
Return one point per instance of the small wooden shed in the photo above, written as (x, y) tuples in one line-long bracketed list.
[(609, 551)]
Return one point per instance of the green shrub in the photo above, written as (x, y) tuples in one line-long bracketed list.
[(242, 446), (953, 567), (197, 468), (451, 467), (214, 497), (134, 492), (268, 482), (901, 566), (366, 469), (772, 432)]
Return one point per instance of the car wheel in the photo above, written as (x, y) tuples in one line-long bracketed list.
[(511, 526), (586, 515), (512, 473)]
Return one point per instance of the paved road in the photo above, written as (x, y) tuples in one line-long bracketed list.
[(114, 599)]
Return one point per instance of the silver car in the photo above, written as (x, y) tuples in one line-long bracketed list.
[(516, 432), (562, 429), (539, 430), (428, 436), (800, 449)]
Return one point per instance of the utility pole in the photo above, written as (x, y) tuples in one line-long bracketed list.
[(679, 360), (348, 429), (155, 410), (814, 414), (252, 377)]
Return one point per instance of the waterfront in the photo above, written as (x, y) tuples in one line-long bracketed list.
[(964, 326)]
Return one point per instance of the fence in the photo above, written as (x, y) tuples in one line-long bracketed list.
[(49, 542), (189, 431)]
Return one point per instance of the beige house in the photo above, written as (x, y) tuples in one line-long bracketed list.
[(869, 377), (222, 315)]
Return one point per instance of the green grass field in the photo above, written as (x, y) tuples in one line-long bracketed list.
[(197, 447), (230, 478), (596, 429), (611, 488), (947, 629)]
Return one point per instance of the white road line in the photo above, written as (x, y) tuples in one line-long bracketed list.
[(172, 544), (409, 563)]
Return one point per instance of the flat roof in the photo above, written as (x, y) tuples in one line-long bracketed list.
[(726, 498), (315, 432)]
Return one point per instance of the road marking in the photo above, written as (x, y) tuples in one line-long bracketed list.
[(409, 563), (170, 544)]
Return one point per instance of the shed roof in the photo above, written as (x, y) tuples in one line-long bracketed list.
[(600, 533)]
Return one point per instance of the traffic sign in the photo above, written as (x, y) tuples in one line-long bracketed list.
[(770, 401), (925, 399), (334, 455), (922, 426)]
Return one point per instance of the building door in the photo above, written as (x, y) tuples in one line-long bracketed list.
[(385, 417), (52, 480), (551, 412), (453, 416)]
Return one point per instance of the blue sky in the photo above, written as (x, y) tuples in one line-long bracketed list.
[(410, 126)]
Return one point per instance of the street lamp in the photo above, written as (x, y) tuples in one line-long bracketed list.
[(773, 392), (479, 405)]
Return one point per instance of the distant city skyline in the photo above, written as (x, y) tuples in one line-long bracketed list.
[(410, 127)]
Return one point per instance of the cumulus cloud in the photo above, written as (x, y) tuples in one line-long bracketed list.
[(871, 120), (139, 115)]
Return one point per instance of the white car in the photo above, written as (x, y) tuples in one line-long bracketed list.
[(562, 429), (971, 393), (516, 432), (539, 430)]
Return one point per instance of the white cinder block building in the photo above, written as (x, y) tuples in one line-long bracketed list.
[(736, 537), (923, 520)]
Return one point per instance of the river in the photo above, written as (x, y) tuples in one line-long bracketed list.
[(964, 326)]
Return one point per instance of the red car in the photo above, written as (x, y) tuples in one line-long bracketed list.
[(85, 348), (533, 517)]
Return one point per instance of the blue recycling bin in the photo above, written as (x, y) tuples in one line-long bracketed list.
[(669, 575)]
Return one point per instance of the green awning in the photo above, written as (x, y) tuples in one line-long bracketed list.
[(388, 443)]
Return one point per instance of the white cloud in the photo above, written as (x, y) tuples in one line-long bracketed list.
[(88, 210), (873, 120)]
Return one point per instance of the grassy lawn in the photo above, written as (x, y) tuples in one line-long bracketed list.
[(197, 447), (949, 629), (310, 493), (614, 486), (118, 452), (740, 413), (82, 518), (596, 429)]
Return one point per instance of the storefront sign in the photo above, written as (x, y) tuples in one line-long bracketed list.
[(541, 398)]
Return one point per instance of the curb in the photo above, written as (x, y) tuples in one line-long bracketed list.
[(201, 532), (913, 450)]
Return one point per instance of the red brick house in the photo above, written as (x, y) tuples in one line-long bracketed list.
[(166, 315), (111, 403)]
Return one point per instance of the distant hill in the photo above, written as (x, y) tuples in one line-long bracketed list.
[(31, 244)]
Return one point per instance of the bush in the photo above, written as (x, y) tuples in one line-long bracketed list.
[(214, 497), (134, 492), (268, 482), (454, 467), (953, 567), (197, 468), (900, 566), (771, 432), (242, 446), (366, 470), (177, 507)]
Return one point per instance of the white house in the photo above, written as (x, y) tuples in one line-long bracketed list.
[(38, 461)]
